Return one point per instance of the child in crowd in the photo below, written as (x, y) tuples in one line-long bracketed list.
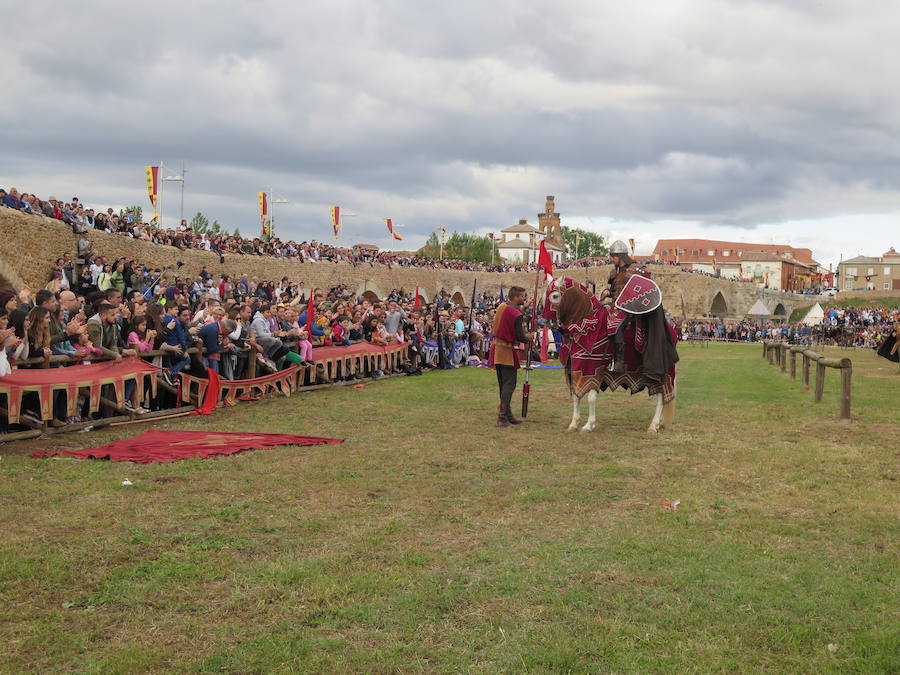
[(380, 335), (141, 339), (340, 333)]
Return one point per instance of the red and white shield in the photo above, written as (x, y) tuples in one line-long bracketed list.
[(640, 296)]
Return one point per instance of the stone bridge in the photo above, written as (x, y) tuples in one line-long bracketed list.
[(29, 245)]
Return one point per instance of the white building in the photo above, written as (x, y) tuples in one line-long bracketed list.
[(520, 244)]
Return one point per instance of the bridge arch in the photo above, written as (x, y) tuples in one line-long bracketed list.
[(457, 298), (779, 311), (370, 291), (719, 307)]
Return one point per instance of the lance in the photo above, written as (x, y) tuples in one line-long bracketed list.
[(149, 292), (437, 333), (472, 315), (526, 387)]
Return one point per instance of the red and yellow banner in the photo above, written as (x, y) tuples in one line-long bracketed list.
[(153, 187), (390, 226), (631, 244), (336, 221), (263, 200)]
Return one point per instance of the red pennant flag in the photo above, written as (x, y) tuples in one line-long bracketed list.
[(390, 226), (310, 310), (418, 302), (544, 259)]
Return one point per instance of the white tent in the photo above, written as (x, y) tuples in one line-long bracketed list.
[(759, 310), (814, 316)]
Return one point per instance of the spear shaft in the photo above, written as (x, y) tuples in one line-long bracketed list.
[(526, 387)]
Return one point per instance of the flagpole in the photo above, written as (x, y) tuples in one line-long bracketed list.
[(159, 191)]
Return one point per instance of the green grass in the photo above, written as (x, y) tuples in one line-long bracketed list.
[(431, 541)]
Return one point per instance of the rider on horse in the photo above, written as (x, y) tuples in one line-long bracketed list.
[(625, 333)]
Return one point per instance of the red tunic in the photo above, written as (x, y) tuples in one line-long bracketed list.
[(503, 350)]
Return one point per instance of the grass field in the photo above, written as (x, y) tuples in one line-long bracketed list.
[(431, 541)]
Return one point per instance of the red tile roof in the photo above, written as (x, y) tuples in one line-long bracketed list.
[(801, 255)]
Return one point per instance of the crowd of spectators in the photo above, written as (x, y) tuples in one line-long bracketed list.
[(94, 308), (865, 327), (82, 219)]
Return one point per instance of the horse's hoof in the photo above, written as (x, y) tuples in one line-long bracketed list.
[(652, 430), (572, 427), (587, 428)]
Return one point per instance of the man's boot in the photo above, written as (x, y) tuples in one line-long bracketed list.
[(512, 419), (502, 421)]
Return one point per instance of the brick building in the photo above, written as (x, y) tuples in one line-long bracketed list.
[(770, 265)]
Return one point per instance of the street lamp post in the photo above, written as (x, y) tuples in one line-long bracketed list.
[(183, 174), (272, 204), (170, 179)]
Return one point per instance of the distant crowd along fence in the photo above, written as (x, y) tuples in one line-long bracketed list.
[(781, 353), (330, 362)]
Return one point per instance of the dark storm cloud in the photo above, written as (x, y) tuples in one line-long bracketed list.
[(466, 114)]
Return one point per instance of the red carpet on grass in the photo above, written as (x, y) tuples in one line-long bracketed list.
[(169, 446)]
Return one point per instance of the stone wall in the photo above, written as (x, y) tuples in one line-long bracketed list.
[(30, 244)]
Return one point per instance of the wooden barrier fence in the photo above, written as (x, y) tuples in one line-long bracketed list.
[(785, 357), (307, 379)]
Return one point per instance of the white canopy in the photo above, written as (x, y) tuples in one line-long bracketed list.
[(814, 316), (759, 309)]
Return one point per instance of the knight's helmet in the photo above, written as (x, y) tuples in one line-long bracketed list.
[(618, 247)]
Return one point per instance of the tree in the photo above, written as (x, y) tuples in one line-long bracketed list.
[(215, 229), (200, 223), (458, 246), (237, 233), (134, 211), (590, 244)]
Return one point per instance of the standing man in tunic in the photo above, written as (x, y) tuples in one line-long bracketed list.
[(509, 330)]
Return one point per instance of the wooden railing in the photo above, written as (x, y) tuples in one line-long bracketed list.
[(785, 357)]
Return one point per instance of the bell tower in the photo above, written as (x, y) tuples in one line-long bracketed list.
[(549, 223)]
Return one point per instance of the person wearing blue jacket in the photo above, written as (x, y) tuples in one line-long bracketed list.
[(215, 340), (316, 328), (177, 341)]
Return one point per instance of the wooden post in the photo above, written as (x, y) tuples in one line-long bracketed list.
[(793, 365), (805, 375), (251, 363), (765, 348), (820, 381), (846, 374), (771, 355), (782, 356)]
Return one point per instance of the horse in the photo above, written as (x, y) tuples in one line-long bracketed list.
[(587, 350)]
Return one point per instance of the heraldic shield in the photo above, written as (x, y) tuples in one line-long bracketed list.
[(640, 295)]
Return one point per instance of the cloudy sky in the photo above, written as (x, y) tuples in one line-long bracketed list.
[(756, 121)]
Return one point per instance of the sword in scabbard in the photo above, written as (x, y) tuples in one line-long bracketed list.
[(526, 387)]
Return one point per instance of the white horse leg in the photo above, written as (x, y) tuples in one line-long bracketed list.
[(668, 412), (576, 413), (654, 425), (592, 411)]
